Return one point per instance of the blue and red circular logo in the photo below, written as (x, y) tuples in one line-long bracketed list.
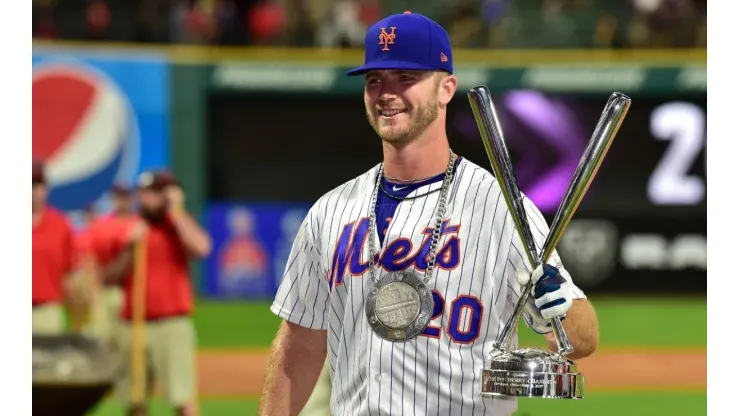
[(85, 130)]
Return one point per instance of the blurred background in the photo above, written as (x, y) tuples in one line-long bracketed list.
[(246, 102)]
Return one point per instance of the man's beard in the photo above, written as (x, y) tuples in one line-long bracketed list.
[(152, 215), (425, 117)]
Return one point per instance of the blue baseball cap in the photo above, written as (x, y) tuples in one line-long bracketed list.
[(406, 41)]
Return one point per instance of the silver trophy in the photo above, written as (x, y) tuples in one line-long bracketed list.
[(532, 372)]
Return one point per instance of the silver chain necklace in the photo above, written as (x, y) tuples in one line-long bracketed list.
[(400, 305)]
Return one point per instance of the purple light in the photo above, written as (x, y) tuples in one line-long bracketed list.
[(465, 124), (555, 124)]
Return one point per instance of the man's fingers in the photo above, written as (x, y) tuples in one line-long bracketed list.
[(522, 276), (537, 274), (543, 301)]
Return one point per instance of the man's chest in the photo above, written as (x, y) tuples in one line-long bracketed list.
[(467, 271), (458, 242), (49, 238)]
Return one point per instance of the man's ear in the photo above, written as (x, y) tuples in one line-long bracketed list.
[(447, 88)]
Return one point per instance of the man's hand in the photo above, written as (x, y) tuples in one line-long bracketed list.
[(175, 197), (551, 297), (194, 238)]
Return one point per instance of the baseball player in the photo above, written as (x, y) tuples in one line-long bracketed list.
[(425, 223), (53, 259), (171, 236)]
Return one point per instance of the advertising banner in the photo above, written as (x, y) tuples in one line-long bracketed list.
[(628, 77), (656, 166), (634, 256), (98, 119), (251, 246)]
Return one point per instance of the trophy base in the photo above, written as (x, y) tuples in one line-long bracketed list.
[(531, 373)]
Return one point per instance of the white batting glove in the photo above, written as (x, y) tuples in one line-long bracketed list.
[(551, 296)]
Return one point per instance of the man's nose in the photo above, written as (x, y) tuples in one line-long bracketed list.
[(386, 97)]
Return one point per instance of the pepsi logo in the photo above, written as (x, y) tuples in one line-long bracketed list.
[(85, 130)]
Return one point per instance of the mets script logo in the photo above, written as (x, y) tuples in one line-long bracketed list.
[(398, 255), (387, 38)]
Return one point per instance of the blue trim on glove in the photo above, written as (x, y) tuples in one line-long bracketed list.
[(555, 302), (549, 282)]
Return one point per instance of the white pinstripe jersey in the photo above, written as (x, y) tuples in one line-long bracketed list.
[(475, 290)]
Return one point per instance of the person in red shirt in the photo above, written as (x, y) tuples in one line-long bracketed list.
[(83, 285), (52, 259), (171, 237), (106, 230), (103, 235)]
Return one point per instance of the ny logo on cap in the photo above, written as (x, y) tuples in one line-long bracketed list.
[(387, 38)]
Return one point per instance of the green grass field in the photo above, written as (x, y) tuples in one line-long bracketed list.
[(607, 404), (633, 323)]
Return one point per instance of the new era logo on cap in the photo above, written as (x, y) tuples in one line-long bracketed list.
[(406, 41)]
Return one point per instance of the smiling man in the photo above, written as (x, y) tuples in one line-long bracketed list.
[(405, 275)]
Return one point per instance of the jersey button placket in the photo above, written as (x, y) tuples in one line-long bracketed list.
[(375, 375)]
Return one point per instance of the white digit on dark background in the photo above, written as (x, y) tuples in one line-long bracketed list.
[(684, 125)]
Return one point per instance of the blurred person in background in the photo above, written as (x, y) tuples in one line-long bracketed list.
[(549, 24), (192, 22), (229, 20), (83, 285), (300, 28), (464, 24), (266, 22), (667, 24), (346, 23), (171, 237), (153, 18), (493, 13), (42, 20), (98, 18), (103, 234), (53, 259)]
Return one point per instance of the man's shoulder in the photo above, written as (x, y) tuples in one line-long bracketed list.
[(469, 169), (58, 218), (110, 224), (99, 224), (473, 176), (345, 193), (55, 213)]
